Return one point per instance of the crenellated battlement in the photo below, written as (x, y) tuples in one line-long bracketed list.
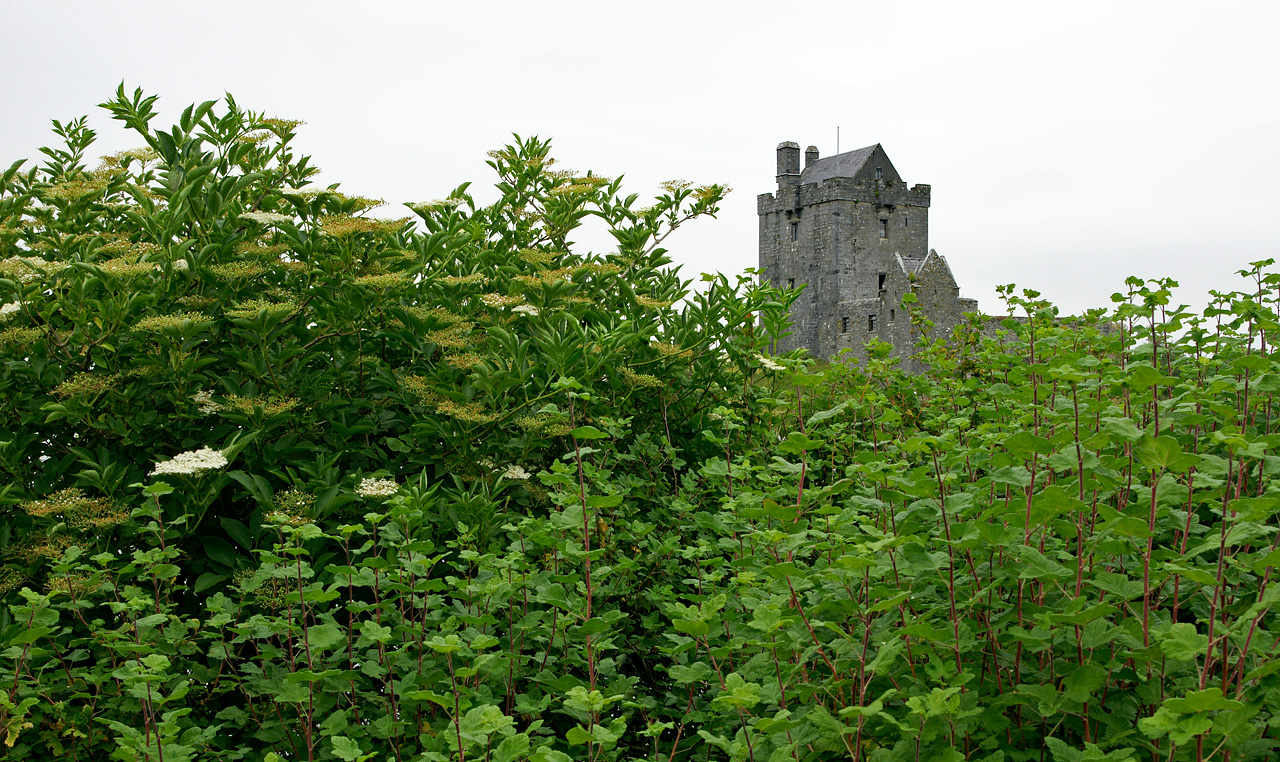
[(793, 196)]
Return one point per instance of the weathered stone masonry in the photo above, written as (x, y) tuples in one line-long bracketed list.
[(856, 237)]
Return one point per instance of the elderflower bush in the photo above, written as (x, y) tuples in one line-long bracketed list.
[(201, 296)]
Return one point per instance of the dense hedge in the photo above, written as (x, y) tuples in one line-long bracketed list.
[(282, 481)]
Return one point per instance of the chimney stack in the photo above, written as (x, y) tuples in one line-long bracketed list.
[(788, 164)]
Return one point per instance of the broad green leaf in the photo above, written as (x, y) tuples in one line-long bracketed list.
[(322, 637), (695, 627), (1122, 429), (1163, 453), (1083, 681), (347, 750), (694, 672), (1015, 476), (1036, 565), (1023, 444), (604, 501), (512, 748), (1183, 642), (1207, 700), (737, 692), (1143, 377), (1179, 728), (797, 443), (577, 735)]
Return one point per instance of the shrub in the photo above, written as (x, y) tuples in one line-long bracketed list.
[(341, 488)]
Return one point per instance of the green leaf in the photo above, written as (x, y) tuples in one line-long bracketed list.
[(1179, 728), (1023, 444), (1143, 377), (347, 750), (1123, 429), (29, 635), (1036, 565), (577, 736), (446, 644), (888, 603), (588, 432), (695, 672), (1163, 453), (219, 550), (208, 580), (604, 501), (512, 748), (1126, 526), (1083, 680), (553, 594), (694, 627), (1183, 642), (322, 637), (1015, 476), (1207, 700), (548, 754), (165, 571), (372, 633), (1061, 752), (738, 693), (817, 418), (797, 443), (238, 532)]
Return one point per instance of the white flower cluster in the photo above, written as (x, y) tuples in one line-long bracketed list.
[(514, 473), (308, 191), (181, 264), (526, 309), (266, 218), (27, 269), (500, 300), (8, 309), (377, 488), (440, 203), (193, 462), (769, 363), (204, 400)]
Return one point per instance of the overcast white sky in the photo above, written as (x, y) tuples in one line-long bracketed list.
[(1069, 144)]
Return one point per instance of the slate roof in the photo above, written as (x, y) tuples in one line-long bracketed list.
[(845, 164)]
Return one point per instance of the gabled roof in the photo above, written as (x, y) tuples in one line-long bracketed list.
[(844, 164)]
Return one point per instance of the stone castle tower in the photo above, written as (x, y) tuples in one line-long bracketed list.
[(856, 237)]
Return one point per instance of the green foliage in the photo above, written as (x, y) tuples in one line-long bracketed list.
[(283, 481)]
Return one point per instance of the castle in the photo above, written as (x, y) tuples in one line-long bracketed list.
[(850, 231)]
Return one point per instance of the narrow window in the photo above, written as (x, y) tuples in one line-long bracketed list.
[(844, 325), (871, 323), (795, 231), (879, 173), (884, 229), (892, 315), (791, 282), (881, 278), (904, 219)]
